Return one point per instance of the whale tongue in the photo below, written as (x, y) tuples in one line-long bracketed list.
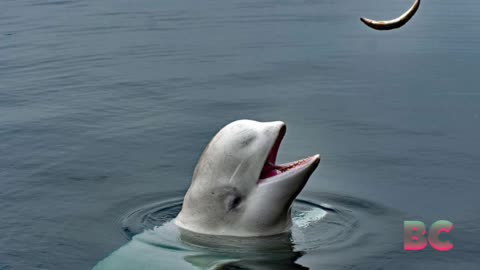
[(269, 170)]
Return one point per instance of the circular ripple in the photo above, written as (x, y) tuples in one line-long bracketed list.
[(317, 225), (149, 216)]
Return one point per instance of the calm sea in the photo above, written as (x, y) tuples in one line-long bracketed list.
[(106, 103)]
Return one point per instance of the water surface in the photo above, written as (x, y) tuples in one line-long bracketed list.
[(105, 104)]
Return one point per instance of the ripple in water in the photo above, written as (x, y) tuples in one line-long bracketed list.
[(322, 222), (149, 216), (329, 229)]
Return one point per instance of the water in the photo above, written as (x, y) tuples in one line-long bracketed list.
[(106, 105), (345, 224)]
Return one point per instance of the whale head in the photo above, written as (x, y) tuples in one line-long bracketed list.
[(237, 189)]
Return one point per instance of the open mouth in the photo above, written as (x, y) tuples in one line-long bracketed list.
[(271, 170)]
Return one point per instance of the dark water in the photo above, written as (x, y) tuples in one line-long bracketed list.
[(106, 105)]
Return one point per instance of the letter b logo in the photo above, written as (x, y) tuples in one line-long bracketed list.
[(415, 235)]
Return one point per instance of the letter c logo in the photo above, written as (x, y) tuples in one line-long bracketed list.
[(440, 226)]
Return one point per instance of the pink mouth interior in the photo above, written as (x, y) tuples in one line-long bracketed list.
[(270, 169)]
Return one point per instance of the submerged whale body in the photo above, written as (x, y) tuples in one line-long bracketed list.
[(170, 247)]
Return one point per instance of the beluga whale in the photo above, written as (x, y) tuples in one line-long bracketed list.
[(237, 189), (236, 214)]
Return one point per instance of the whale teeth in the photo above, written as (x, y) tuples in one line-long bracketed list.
[(270, 169), (291, 165)]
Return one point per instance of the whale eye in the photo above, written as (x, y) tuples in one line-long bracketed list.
[(234, 202)]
